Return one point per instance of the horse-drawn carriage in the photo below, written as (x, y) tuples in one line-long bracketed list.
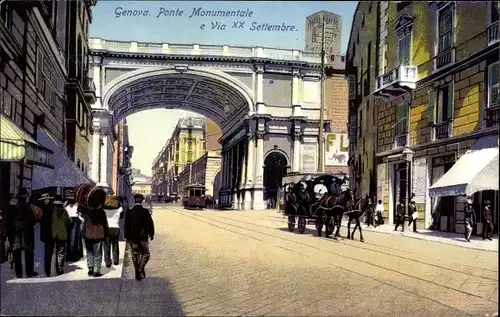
[(312, 198)]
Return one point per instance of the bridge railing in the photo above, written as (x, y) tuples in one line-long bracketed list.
[(207, 50)]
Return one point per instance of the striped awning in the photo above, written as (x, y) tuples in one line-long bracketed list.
[(17, 145)]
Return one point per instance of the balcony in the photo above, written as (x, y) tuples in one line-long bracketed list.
[(89, 91), (396, 82), (491, 117), (400, 141), (493, 33), (444, 58), (443, 130)]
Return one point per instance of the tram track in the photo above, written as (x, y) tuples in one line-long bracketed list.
[(221, 224), (358, 246)]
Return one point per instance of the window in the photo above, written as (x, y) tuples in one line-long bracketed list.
[(404, 46), (493, 12), (493, 84), (441, 104), (402, 112), (445, 28)]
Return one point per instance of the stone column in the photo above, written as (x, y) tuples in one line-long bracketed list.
[(236, 176), (259, 86), (296, 152), (259, 175), (243, 176), (96, 148), (250, 169), (296, 93), (104, 162)]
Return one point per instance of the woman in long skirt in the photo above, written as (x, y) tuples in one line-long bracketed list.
[(75, 244)]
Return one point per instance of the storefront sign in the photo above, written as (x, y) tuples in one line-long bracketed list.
[(309, 164), (420, 179), (336, 149), (443, 160)]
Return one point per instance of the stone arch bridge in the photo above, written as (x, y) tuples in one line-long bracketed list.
[(264, 100)]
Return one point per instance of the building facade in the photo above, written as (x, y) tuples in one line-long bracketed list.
[(212, 136), (331, 23), (202, 171), (436, 92), (362, 63), (186, 145), (33, 97), (141, 184)]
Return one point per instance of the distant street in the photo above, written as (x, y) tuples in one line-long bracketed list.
[(246, 263)]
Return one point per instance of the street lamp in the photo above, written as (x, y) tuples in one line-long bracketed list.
[(407, 155)]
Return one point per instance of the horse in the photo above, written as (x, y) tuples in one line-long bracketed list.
[(330, 211), (359, 207)]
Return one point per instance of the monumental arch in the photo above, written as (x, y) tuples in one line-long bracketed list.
[(265, 100)]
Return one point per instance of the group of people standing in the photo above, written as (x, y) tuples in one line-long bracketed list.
[(67, 228)]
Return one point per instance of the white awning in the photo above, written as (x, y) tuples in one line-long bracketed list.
[(475, 171), (65, 172)]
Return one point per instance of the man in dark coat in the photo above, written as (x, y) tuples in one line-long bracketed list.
[(412, 216), (22, 234), (139, 228), (46, 204), (469, 219), (487, 221), (400, 213)]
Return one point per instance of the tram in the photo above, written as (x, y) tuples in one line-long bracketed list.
[(194, 196)]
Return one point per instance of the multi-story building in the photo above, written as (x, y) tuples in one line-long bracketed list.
[(80, 88), (436, 93), (202, 171), (141, 183), (33, 75), (331, 23), (212, 136), (361, 64), (185, 146)]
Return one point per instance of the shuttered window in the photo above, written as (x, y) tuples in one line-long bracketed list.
[(432, 107), (402, 111), (445, 27), (404, 44), (493, 84)]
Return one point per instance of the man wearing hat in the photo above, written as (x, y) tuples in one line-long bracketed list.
[(469, 219), (139, 228), (22, 234), (487, 221)]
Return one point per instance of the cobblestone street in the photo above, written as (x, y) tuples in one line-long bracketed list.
[(247, 263), (237, 263)]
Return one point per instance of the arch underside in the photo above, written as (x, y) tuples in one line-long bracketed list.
[(209, 97)]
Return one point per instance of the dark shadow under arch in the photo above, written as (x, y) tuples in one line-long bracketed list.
[(275, 166)]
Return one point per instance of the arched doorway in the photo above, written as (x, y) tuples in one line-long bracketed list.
[(275, 165)]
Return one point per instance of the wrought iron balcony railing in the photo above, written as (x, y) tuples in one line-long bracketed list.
[(491, 116), (406, 76), (401, 140), (493, 35), (443, 130), (444, 58)]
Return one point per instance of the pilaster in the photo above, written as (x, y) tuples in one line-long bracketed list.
[(259, 85)]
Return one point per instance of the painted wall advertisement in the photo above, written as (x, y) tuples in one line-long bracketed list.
[(336, 149)]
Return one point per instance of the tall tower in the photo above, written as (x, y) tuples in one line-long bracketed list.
[(333, 33)]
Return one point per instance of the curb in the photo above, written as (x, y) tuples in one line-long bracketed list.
[(406, 235)]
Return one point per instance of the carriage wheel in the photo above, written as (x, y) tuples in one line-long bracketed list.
[(291, 223), (301, 225), (330, 226)]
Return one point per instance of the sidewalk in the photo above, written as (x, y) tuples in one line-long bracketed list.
[(436, 236), (61, 295)]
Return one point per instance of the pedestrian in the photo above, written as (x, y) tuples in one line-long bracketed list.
[(412, 215), (469, 219), (74, 249), (60, 225), (487, 221), (95, 230), (139, 228), (45, 202), (400, 212), (21, 232), (380, 212), (111, 242)]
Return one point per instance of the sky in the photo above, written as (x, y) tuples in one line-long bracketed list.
[(173, 22)]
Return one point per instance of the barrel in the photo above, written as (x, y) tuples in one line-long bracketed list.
[(89, 196)]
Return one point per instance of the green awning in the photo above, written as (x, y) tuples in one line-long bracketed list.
[(17, 145)]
